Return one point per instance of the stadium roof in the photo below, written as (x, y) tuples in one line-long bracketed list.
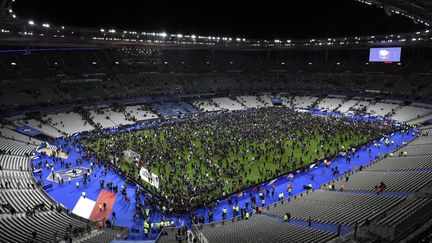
[(418, 10), (15, 30)]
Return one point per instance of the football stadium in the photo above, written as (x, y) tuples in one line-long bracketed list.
[(177, 132)]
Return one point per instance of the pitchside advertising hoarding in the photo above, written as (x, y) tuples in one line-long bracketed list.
[(385, 54), (148, 177)]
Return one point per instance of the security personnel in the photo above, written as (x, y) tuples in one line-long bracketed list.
[(147, 212), (146, 227), (224, 213), (172, 223), (247, 215), (285, 217), (146, 232), (262, 202)]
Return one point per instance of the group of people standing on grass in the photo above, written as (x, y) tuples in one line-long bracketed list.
[(207, 157)]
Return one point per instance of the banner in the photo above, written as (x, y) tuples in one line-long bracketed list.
[(148, 177), (28, 131)]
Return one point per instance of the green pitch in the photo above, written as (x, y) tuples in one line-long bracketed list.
[(223, 155)]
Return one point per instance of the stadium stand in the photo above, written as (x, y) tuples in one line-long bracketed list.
[(44, 127), (139, 113), (206, 105), (304, 102), (227, 104), (347, 105), (8, 146), (381, 109), (101, 118), (68, 123), (256, 228), (8, 132), (366, 181), (170, 109), (320, 206), (249, 101), (13, 162), (329, 104), (407, 113), (25, 210)]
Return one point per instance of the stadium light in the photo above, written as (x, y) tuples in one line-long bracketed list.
[(31, 22), (46, 25)]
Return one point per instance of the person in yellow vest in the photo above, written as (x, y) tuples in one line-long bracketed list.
[(151, 226), (285, 217), (172, 223), (391, 155), (146, 232), (247, 215), (329, 187), (224, 213), (158, 225), (262, 203), (147, 211)]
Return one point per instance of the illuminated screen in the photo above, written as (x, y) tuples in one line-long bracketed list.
[(385, 54)]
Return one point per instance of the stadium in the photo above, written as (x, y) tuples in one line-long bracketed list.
[(117, 135)]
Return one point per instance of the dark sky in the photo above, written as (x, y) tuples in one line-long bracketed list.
[(262, 19)]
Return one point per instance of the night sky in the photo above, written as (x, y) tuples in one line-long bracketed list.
[(289, 19)]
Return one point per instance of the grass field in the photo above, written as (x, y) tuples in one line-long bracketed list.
[(251, 162)]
